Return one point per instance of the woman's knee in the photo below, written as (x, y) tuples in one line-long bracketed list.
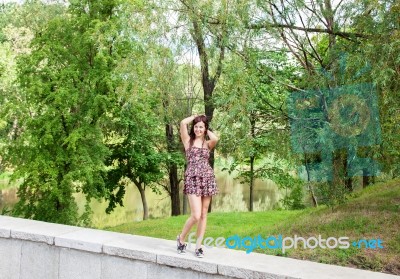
[(203, 215), (196, 217)]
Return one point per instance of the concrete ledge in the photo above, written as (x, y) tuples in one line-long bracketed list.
[(33, 249)]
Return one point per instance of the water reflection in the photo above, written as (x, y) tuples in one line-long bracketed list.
[(233, 196), (8, 197)]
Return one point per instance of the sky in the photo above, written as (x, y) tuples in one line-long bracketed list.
[(11, 1)]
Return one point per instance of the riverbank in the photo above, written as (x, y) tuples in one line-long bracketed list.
[(233, 196), (369, 218)]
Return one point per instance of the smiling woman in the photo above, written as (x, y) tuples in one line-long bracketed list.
[(199, 183)]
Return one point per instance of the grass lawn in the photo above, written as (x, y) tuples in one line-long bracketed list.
[(369, 214)]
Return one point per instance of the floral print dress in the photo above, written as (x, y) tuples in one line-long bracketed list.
[(199, 176)]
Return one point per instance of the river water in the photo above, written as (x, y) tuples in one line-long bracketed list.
[(233, 196)]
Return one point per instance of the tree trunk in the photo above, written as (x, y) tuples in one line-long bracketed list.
[(309, 185), (144, 201), (338, 183), (175, 200), (252, 158), (348, 181), (313, 198), (184, 200), (14, 132), (330, 21), (251, 181), (366, 179), (208, 81), (211, 161), (173, 173)]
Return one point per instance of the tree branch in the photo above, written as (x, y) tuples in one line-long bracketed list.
[(346, 35)]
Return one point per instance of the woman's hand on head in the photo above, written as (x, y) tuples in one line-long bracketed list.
[(213, 139)]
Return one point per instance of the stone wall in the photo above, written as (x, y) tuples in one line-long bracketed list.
[(32, 249)]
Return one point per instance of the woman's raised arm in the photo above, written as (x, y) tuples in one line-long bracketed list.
[(184, 131), (213, 139)]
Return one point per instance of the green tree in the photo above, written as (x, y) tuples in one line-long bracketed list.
[(18, 24), (316, 33), (256, 124), (381, 49), (135, 156), (209, 24), (152, 75), (68, 86)]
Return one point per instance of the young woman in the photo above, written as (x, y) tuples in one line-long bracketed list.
[(199, 183)]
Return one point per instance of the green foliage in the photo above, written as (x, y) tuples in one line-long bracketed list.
[(384, 72), (372, 28), (292, 187), (68, 86), (97, 81), (133, 152), (255, 123)]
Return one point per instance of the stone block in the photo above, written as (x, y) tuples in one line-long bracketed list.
[(79, 265), (115, 267), (157, 271), (238, 272), (85, 239), (39, 261), (10, 258), (7, 223), (183, 261), (41, 232), (213, 276), (133, 247)]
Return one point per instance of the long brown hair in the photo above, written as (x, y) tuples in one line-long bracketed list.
[(197, 119)]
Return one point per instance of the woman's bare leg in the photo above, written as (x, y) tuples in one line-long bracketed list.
[(195, 214), (201, 227)]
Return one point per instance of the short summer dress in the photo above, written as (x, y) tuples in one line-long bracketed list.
[(199, 176)]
